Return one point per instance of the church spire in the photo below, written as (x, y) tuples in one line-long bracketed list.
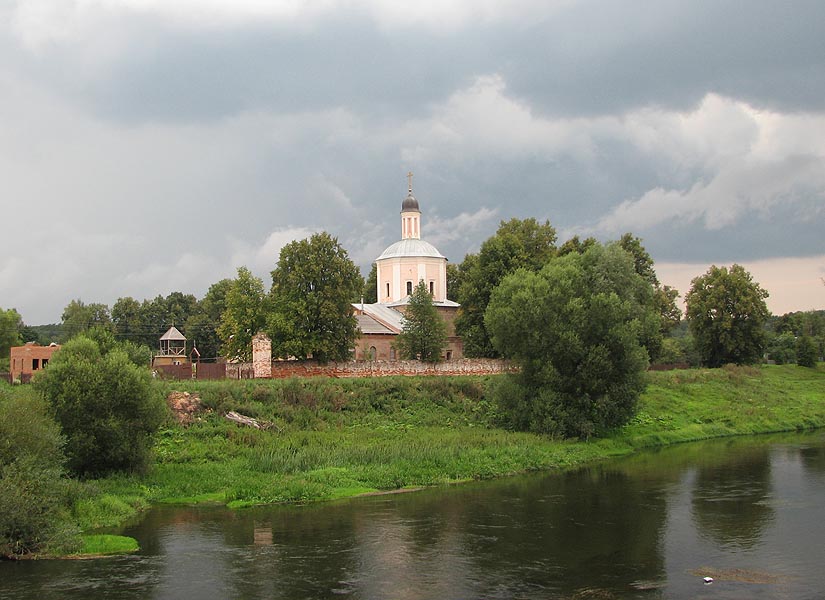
[(410, 214)]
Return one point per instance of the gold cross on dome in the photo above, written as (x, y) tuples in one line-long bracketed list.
[(409, 178)]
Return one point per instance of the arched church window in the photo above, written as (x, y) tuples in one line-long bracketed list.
[(388, 289), (432, 288), (409, 288)]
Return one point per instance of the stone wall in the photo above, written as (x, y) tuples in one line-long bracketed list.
[(381, 368)]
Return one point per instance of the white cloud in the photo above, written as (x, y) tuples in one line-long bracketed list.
[(463, 226), (482, 120), (262, 258), (753, 161), (739, 188)]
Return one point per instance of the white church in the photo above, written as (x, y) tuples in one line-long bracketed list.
[(399, 268)]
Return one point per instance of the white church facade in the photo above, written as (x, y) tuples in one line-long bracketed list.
[(399, 269)]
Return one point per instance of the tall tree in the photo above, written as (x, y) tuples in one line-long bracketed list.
[(370, 292), (313, 287), (79, 317), (10, 326), (665, 297), (453, 281), (202, 326), (726, 313), (517, 244), (128, 320), (424, 335), (244, 315), (179, 307), (576, 329)]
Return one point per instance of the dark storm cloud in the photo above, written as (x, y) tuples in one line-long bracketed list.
[(592, 58), (696, 125), (601, 57)]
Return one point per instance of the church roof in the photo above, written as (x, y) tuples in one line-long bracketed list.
[(368, 324), (386, 316), (411, 247), (437, 303)]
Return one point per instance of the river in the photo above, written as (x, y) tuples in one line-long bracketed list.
[(750, 512)]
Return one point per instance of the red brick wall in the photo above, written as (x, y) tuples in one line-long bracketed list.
[(21, 358)]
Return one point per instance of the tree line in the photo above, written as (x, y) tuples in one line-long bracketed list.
[(306, 310)]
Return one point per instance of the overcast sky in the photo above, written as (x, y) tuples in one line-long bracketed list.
[(148, 146)]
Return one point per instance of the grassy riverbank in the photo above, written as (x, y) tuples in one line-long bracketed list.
[(338, 438)]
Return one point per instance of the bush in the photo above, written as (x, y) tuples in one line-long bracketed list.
[(34, 494), (34, 514), (107, 407)]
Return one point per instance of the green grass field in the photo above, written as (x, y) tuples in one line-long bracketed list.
[(335, 438)]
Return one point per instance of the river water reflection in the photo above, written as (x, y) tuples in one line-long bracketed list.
[(749, 511)]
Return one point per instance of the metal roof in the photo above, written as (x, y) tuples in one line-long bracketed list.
[(173, 334), (411, 247), (386, 316), (368, 324), (406, 300)]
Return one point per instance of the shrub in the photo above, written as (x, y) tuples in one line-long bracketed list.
[(107, 407), (34, 512), (34, 493)]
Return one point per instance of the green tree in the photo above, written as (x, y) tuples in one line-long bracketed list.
[(155, 320), (453, 281), (664, 300), (517, 244), (127, 319), (10, 325), (806, 352), (642, 262), (179, 307), (577, 245), (244, 315), (79, 317), (575, 328), (781, 348), (726, 313), (30, 334), (202, 326), (107, 407), (424, 334), (370, 293), (665, 297), (312, 291)]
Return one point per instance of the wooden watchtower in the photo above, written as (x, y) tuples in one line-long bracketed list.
[(172, 349)]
